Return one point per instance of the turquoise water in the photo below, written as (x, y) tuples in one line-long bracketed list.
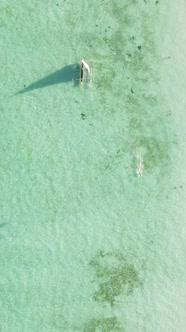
[(86, 244)]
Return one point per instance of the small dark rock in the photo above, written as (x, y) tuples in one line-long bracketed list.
[(129, 54), (83, 116)]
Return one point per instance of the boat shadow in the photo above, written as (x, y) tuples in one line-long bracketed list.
[(66, 74)]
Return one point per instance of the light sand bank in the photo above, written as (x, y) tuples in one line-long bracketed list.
[(173, 80)]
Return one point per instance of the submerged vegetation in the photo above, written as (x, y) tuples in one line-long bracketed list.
[(116, 276), (103, 324), (124, 50)]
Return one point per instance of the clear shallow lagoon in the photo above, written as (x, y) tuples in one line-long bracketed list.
[(86, 244)]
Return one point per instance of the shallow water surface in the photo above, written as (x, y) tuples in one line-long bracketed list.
[(86, 244)]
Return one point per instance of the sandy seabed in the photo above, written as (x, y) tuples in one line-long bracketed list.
[(86, 244)]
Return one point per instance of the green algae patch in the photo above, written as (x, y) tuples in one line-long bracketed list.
[(116, 276), (155, 152), (110, 324)]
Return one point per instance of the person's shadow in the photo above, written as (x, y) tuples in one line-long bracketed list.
[(63, 75)]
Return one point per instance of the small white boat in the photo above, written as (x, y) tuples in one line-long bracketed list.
[(84, 65)]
